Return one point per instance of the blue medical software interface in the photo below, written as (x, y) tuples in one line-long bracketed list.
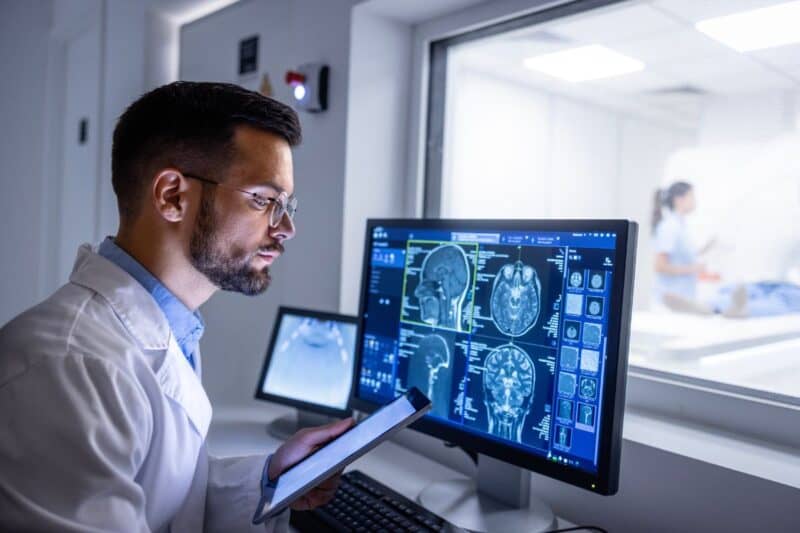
[(504, 331)]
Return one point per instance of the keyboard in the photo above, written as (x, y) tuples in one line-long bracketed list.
[(362, 504)]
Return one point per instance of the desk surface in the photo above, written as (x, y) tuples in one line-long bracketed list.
[(244, 432)]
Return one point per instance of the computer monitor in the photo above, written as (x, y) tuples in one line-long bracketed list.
[(517, 330), (309, 365)]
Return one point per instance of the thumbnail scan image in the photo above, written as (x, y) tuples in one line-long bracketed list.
[(508, 384), (515, 298), (312, 361), (436, 288)]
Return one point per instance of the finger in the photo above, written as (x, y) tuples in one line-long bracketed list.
[(332, 483), (316, 498), (322, 434)]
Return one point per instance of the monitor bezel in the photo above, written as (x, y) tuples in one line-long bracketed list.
[(606, 480), (292, 402)]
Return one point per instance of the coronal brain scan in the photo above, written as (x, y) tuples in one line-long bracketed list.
[(444, 282), (515, 298), (588, 388), (508, 383)]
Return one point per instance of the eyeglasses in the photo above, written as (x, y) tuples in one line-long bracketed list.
[(283, 204)]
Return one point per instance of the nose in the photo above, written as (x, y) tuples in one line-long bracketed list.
[(284, 231)]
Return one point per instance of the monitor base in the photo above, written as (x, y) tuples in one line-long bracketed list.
[(459, 503), (284, 427), (497, 499)]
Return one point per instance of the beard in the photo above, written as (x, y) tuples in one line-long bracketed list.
[(226, 267)]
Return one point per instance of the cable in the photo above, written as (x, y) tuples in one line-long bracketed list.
[(472, 455)]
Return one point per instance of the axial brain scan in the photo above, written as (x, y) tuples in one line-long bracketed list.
[(515, 298), (443, 285), (508, 381)]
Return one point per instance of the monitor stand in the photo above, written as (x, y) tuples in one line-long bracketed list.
[(284, 427), (498, 499)]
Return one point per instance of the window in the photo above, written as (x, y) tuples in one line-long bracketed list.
[(593, 113)]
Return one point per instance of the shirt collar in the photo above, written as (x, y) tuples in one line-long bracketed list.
[(186, 325)]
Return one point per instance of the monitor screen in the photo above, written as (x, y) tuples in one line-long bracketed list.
[(310, 361), (511, 328)]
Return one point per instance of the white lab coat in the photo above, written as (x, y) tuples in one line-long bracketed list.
[(103, 421)]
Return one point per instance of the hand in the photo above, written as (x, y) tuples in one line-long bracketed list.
[(300, 445), (697, 268)]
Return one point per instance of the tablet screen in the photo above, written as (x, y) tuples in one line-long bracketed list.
[(346, 448)]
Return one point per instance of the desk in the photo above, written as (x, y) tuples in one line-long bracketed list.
[(243, 432)]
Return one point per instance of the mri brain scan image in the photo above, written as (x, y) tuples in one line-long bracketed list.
[(443, 286), (508, 382), (597, 279), (515, 298), (434, 350), (576, 280)]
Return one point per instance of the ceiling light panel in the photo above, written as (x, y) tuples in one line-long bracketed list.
[(757, 29), (585, 63)]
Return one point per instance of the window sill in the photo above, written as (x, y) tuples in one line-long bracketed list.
[(772, 462)]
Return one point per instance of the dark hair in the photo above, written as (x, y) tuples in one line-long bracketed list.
[(666, 198), (188, 125)]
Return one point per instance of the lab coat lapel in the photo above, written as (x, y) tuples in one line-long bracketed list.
[(144, 320), (180, 382)]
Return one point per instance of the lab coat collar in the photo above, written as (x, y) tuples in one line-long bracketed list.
[(146, 323), (131, 302)]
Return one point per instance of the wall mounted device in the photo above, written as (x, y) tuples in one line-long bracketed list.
[(309, 86)]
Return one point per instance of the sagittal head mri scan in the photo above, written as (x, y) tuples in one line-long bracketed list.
[(508, 381), (445, 279)]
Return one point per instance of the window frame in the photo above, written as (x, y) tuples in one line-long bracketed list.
[(748, 413)]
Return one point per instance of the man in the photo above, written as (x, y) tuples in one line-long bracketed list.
[(102, 410)]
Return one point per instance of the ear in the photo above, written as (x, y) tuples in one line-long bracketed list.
[(170, 195)]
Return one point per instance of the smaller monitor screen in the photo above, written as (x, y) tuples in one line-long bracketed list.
[(310, 360)]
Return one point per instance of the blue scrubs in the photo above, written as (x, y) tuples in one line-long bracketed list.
[(672, 238)]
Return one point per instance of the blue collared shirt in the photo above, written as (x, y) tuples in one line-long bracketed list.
[(186, 325)]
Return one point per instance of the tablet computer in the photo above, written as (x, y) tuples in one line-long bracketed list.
[(343, 450)]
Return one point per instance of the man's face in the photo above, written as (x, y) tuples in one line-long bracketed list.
[(232, 243)]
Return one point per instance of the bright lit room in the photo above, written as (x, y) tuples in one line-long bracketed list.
[(452, 265)]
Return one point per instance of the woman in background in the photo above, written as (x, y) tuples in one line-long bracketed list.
[(676, 264)]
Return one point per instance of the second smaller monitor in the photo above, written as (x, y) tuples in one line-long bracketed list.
[(310, 360)]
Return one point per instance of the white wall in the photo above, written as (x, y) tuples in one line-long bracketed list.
[(376, 171), (68, 61), (291, 32), (23, 69)]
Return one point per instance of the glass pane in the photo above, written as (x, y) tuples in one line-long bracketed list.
[(652, 112)]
